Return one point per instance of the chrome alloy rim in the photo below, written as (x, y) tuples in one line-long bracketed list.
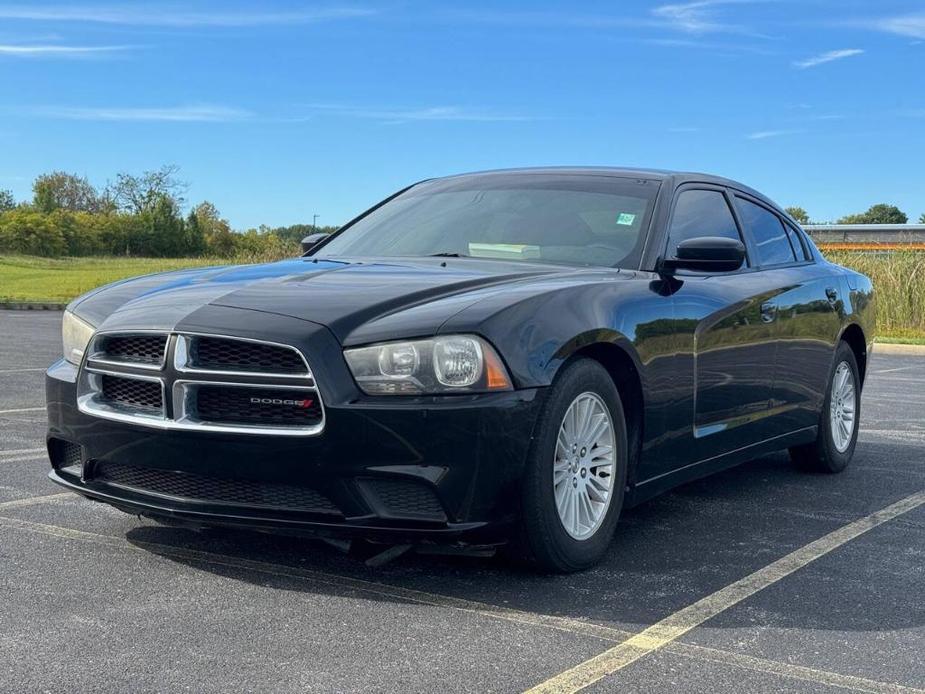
[(583, 469), (842, 406)]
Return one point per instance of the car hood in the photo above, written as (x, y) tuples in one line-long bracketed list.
[(341, 295)]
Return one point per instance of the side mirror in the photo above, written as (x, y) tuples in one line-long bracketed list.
[(707, 254), (313, 240)]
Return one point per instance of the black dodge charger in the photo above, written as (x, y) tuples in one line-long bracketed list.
[(498, 358)]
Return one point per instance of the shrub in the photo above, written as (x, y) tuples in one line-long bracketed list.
[(23, 230)]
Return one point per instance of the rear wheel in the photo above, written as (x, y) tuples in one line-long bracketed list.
[(576, 473), (838, 422)]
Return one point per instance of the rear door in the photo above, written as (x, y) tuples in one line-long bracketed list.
[(806, 318), (732, 339)]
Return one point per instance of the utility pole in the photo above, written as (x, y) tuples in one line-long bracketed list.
[(315, 223)]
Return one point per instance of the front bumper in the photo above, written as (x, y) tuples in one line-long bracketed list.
[(444, 469)]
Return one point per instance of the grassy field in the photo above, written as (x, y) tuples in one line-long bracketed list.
[(899, 283), (899, 279), (25, 278)]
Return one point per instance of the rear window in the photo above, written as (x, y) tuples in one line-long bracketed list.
[(768, 232)]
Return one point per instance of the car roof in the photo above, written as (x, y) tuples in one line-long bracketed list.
[(675, 177)]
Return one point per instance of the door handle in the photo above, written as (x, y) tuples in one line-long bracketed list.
[(831, 294), (768, 311)]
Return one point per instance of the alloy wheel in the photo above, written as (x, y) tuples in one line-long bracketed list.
[(583, 469), (842, 407)]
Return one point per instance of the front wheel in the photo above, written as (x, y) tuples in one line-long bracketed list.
[(576, 472), (838, 422)]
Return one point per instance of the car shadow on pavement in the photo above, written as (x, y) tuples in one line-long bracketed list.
[(668, 552)]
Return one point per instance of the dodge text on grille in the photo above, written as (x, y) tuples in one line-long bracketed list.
[(279, 401)]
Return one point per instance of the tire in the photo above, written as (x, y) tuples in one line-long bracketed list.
[(544, 539), (832, 452)]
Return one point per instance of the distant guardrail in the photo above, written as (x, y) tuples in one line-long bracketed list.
[(901, 234)]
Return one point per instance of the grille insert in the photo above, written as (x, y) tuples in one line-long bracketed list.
[(219, 354), (134, 349), (70, 454), (65, 455), (403, 499), (257, 406), (236, 492), (131, 394)]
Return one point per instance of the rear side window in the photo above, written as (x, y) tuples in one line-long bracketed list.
[(700, 213), (796, 240), (768, 232)]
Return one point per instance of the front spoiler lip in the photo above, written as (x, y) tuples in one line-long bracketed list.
[(444, 532)]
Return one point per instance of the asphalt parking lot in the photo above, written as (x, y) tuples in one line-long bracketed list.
[(827, 590)]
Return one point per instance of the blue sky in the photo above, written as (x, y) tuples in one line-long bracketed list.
[(276, 111)]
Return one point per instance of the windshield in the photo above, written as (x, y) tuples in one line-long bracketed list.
[(556, 218)]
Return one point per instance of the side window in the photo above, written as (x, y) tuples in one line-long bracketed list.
[(796, 240), (767, 230), (700, 213)]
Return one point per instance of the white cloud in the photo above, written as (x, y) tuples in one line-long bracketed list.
[(699, 16), (827, 57), (55, 50), (767, 134), (906, 25), (178, 114), (176, 16), (427, 113)]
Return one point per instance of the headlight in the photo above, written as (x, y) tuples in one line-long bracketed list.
[(443, 364), (75, 334)]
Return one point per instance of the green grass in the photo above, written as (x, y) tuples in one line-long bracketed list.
[(30, 279), (901, 340), (899, 289), (899, 280)]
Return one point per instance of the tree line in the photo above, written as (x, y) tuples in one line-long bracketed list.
[(881, 213), (144, 215), (136, 215)]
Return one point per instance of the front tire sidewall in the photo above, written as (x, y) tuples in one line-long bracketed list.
[(550, 546)]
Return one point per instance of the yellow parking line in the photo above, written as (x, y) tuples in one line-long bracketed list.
[(676, 625), (33, 500), (565, 624)]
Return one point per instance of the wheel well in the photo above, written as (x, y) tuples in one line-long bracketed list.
[(854, 337), (623, 371)]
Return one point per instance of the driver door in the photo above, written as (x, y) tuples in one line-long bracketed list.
[(730, 316)]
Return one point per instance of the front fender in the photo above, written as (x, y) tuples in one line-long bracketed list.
[(537, 333)]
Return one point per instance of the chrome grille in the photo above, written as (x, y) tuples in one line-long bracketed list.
[(186, 485), (221, 354), (205, 383)]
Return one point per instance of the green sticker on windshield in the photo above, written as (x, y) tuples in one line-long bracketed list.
[(626, 219)]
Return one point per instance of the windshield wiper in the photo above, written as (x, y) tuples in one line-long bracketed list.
[(447, 255)]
